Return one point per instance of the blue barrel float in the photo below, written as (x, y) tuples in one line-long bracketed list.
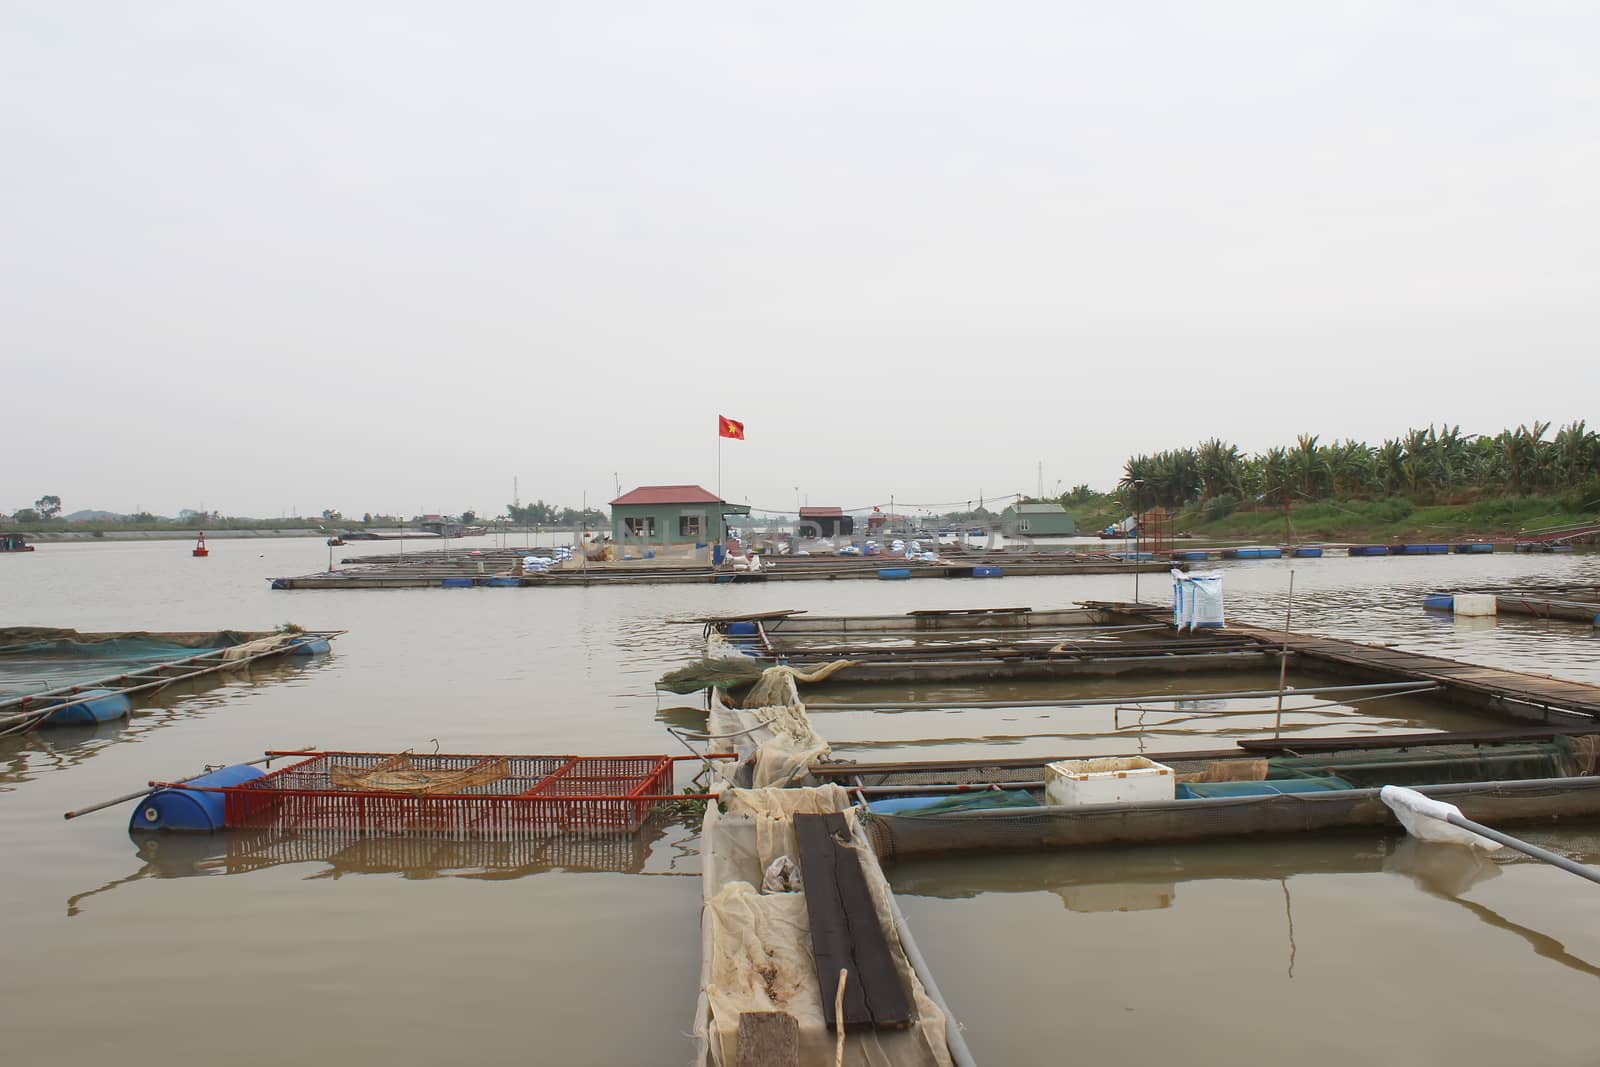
[(1369, 550), (1474, 548), (99, 705), (988, 572), (505, 583), (455, 583), (188, 808), (314, 647), (1307, 552), (894, 573), (1192, 554), (1439, 602)]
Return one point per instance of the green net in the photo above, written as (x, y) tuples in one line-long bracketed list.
[(711, 674), (1560, 757)]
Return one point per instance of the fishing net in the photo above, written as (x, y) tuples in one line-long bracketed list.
[(34, 659), (399, 774), (756, 947), (732, 672), (1561, 757), (722, 673)]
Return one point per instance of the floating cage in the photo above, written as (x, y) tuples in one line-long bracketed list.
[(453, 796)]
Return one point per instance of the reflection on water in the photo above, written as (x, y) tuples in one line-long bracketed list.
[(530, 955), (338, 854)]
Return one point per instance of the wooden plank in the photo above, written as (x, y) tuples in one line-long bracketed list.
[(925, 612), (845, 934), (767, 1039)]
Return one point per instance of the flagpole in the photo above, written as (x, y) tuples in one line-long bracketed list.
[(720, 519)]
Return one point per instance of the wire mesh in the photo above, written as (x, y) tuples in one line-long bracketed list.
[(537, 795)]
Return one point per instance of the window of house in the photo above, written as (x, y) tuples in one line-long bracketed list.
[(691, 526), (640, 527), (1022, 524)]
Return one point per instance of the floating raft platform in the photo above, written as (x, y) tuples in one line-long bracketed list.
[(495, 568), (1578, 605), (65, 677), (1318, 551), (1514, 694)]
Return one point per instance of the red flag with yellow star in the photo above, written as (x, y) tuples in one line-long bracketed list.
[(727, 427)]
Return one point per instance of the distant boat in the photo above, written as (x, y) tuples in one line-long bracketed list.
[(14, 542), (335, 542)]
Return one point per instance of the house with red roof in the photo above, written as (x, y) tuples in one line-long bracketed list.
[(671, 515), (829, 522)]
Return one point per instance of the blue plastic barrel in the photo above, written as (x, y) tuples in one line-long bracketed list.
[(105, 707), (1307, 553), (504, 583), (718, 554), (894, 573), (1475, 548), (988, 572), (190, 810), (1439, 602), (455, 583), (741, 629), (1191, 553), (1369, 550), (311, 648)]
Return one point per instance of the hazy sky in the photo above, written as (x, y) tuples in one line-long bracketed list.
[(386, 256)]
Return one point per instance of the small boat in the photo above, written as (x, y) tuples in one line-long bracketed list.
[(335, 542), (14, 542), (200, 548)]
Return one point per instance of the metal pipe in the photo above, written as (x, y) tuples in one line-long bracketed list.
[(1555, 860), (914, 705)]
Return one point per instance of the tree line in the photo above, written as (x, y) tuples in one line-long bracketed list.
[(1433, 464)]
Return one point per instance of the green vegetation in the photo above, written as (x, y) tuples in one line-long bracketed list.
[(1434, 482), (539, 513)]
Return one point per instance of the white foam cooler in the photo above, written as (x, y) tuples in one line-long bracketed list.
[(1476, 604), (1108, 780)]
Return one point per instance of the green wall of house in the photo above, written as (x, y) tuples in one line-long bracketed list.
[(665, 524), (1037, 521)]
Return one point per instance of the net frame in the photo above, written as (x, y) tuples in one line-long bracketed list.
[(538, 795)]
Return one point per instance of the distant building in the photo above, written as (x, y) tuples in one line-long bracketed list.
[(671, 514), (829, 522), (1037, 520)]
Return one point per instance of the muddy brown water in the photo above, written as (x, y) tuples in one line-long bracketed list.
[(246, 951)]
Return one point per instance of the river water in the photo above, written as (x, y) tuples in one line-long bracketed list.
[(1363, 946)]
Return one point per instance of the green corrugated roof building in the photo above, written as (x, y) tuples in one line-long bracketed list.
[(1037, 520)]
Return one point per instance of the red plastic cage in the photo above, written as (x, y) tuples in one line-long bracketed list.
[(534, 795)]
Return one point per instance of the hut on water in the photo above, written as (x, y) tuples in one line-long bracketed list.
[(1037, 520), (672, 515)]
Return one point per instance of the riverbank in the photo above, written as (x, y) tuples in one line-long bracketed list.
[(1382, 521), (52, 536)]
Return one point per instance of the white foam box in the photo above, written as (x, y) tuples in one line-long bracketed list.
[(1476, 604), (1108, 780)]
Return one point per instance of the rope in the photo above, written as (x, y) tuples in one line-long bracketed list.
[(838, 1018)]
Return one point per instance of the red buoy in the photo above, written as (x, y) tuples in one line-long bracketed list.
[(200, 545)]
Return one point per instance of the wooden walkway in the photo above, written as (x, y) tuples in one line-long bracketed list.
[(1518, 694)]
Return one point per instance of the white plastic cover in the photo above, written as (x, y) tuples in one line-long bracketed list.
[(1427, 819), (1196, 600)]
